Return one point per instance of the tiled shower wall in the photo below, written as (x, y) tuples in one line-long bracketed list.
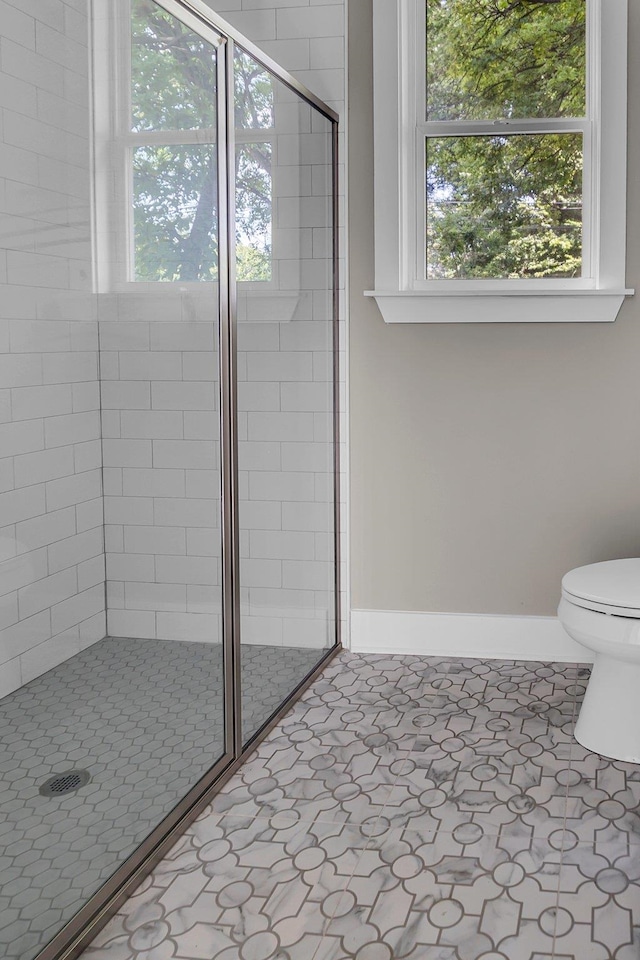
[(161, 456), (51, 540), (159, 398)]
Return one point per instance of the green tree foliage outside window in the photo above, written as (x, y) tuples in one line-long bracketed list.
[(175, 213), (502, 206), (173, 88)]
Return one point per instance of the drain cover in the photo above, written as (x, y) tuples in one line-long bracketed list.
[(67, 782)]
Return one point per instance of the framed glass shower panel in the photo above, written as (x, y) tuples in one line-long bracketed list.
[(285, 388), (160, 383)]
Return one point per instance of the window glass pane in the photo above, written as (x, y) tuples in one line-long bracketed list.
[(253, 211), (173, 72), (253, 93), (504, 206), (175, 213), (488, 59)]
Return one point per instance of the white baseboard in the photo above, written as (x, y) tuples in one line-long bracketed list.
[(464, 635)]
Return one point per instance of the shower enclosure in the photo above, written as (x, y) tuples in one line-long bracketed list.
[(168, 436)]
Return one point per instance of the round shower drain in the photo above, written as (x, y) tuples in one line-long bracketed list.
[(67, 782)]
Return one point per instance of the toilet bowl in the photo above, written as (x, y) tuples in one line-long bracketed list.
[(600, 609)]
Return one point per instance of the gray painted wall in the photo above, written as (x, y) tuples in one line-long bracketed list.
[(486, 459)]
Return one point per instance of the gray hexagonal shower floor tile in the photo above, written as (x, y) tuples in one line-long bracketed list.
[(144, 717)]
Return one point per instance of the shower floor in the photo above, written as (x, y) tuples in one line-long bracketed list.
[(145, 718)]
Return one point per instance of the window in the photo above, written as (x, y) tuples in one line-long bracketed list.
[(500, 160), (169, 141), (164, 143), (173, 170)]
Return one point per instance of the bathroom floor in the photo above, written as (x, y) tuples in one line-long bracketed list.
[(423, 809), (144, 717)]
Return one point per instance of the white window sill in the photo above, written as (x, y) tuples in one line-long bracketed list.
[(507, 306)]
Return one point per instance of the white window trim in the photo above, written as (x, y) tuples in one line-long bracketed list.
[(400, 295)]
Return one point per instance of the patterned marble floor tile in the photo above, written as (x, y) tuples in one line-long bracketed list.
[(402, 683), (371, 664), (316, 723), (492, 697), (400, 718), (458, 897), (480, 721), (496, 779), (598, 915), (407, 809), (238, 887), (456, 692), (403, 694), (381, 734), (322, 764), (315, 789), (518, 670), (603, 797)]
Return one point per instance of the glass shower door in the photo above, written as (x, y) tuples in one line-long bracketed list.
[(285, 388), (159, 333), (107, 745)]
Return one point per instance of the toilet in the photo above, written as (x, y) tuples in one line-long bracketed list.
[(600, 609)]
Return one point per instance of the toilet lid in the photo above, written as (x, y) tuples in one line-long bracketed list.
[(613, 584)]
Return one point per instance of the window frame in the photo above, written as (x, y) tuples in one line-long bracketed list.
[(400, 127)]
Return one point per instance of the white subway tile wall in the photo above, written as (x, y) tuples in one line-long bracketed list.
[(161, 460), (51, 540)]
